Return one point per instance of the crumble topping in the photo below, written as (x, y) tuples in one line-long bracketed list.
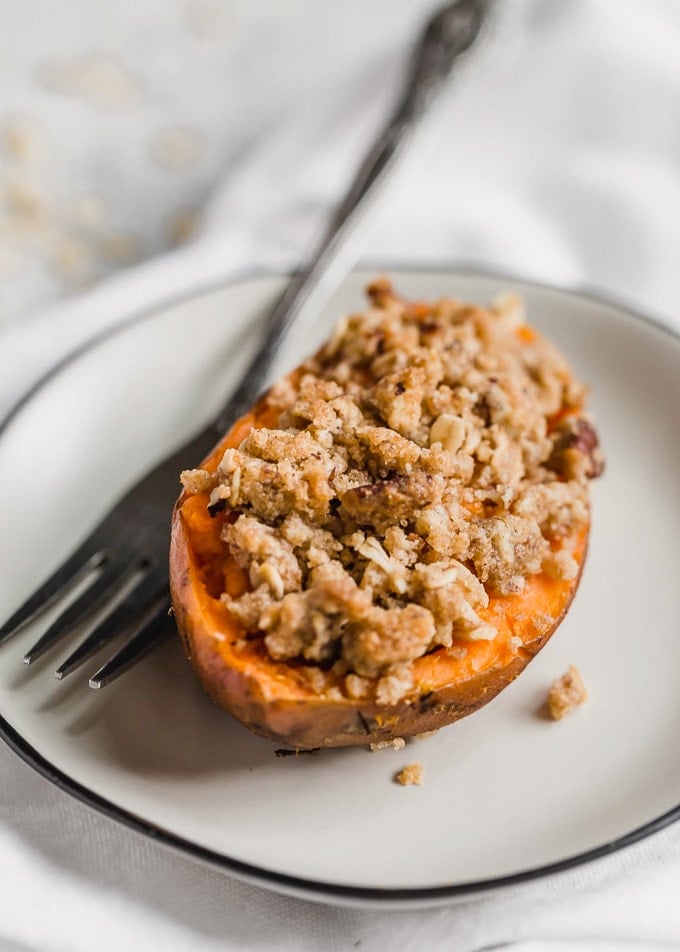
[(566, 693), (427, 457), (397, 743), (411, 774)]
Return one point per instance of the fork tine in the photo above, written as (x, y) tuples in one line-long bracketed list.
[(81, 609), (152, 633), (124, 616), (74, 570)]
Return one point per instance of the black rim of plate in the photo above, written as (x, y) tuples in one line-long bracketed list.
[(259, 875)]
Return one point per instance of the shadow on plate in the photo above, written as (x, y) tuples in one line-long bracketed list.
[(157, 720)]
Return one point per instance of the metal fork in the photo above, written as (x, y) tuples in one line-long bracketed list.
[(125, 557)]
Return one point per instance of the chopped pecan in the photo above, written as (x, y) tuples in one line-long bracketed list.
[(576, 450), (390, 502)]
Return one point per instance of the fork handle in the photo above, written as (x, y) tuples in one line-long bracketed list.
[(448, 34)]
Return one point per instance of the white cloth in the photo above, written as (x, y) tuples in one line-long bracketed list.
[(554, 155)]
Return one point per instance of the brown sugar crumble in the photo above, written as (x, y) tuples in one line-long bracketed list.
[(396, 743), (566, 693), (411, 774), (428, 457)]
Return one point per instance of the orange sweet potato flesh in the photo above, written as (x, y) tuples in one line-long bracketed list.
[(275, 700)]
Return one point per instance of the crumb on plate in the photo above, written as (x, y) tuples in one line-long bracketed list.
[(566, 693), (411, 774)]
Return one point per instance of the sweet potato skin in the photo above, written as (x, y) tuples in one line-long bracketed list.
[(267, 698)]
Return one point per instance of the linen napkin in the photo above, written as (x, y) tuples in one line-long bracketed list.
[(554, 155)]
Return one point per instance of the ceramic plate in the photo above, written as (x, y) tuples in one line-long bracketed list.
[(507, 795)]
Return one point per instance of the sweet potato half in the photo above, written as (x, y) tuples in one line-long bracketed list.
[(275, 700)]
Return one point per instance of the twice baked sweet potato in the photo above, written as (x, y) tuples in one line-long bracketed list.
[(383, 484)]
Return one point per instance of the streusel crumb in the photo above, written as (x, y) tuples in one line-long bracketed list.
[(566, 694), (397, 743), (411, 774)]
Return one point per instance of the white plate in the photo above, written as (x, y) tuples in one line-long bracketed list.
[(507, 795)]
